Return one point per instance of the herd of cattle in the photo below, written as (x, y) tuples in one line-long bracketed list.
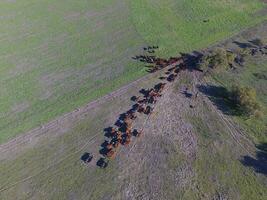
[(122, 134)]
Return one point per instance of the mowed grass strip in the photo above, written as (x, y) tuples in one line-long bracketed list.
[(56, 56)]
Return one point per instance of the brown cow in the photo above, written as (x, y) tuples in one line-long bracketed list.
[(141, 108), (152, 93), (128, 131), (119, 135), (109, 146), (127, 140), (128, 121), (113, 132), (116, 144), (131, 115), (152, 100), (120, 141), (111, 154)]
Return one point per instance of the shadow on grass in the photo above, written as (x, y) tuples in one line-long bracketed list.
[(259, 164), (220, 97), (191, 60), (243, 45)]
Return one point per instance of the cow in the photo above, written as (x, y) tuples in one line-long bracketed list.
[(127, 140), (141, 108), (139, 133), (102, 163), (111, 154), (148, 110), (109, 146)]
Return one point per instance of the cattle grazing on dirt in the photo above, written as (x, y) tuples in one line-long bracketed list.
[(177, 70), (127, 140), (141, 108), (131, 114), (111, 154), (148, 110), (87, 157), (109, 146), (152, 93), (128, 131), (116, 144), (128, 122), (182, 66), (143, 101), (143, 104), (113, 132), (171, 78), (159, 88), (102, 163), (137, 133), (152, 100)]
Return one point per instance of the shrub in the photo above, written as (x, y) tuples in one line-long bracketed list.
[(245, 99), (217, 59)]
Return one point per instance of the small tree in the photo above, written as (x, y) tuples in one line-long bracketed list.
[(217, 59), (245, 98)]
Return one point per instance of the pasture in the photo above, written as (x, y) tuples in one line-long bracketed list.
[(184, 154), (252, 74), (59, 55)]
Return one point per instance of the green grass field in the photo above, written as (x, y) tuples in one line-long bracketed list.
[(59, 55)]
